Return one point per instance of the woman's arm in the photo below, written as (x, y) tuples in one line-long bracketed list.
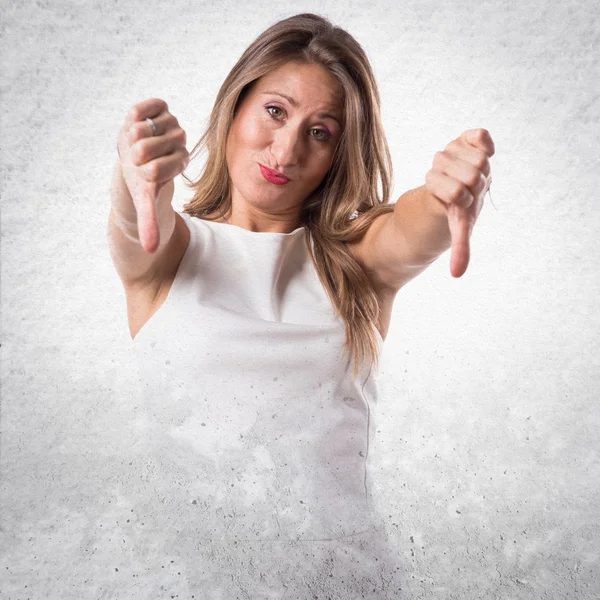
[(432, 218), (422, 221)]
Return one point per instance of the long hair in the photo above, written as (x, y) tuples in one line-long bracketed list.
[(354, 191)]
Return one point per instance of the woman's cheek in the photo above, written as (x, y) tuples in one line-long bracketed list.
[(255, 130)]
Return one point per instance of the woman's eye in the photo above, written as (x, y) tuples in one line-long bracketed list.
[(320, 134), (278, 112)]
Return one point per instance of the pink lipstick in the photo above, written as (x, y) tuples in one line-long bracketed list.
[(273, 176)]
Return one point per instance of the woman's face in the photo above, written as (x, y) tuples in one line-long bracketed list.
[(289, 122)]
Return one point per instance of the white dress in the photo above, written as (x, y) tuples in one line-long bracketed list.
[(258, 437)]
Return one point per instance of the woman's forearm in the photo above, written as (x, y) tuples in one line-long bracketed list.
[(423, 221)]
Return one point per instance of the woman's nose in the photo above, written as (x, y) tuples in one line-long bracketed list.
[(286, 146)]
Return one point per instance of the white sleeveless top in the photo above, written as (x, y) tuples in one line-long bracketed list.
[(255, 426)]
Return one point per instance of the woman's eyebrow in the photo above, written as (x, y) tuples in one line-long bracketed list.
[(295, 104)]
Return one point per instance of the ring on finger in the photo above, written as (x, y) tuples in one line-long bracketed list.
[(151, 123)]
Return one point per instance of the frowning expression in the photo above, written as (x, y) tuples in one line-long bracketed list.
[(290, 122)]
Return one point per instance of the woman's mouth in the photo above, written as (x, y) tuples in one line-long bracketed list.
[(273, 176)]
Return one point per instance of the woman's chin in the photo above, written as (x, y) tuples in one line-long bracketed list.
[(264, 198)]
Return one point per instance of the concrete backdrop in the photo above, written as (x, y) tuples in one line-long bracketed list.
[(488, 418)]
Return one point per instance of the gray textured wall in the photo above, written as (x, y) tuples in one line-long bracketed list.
[(488, 419)]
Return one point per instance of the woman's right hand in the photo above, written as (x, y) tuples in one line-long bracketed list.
[(150, 163)]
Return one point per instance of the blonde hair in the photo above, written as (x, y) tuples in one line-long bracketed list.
[(350, 189)]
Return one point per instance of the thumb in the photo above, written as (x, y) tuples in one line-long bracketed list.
[(460, 229), (145, 205)]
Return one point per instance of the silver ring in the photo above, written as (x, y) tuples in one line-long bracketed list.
[(151, 123)]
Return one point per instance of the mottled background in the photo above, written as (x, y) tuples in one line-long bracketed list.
[(488, 470)]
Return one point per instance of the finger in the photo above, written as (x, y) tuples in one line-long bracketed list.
[(133, 132), (448, 189), (148, 231), (142, 130), (474, 156), (146, 191), (144, 196), (463, 171), (147, 149), (145, 109), (480, 139), (148, 227), (460, 230), (164, 168)]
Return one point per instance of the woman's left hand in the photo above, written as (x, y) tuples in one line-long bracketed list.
[(460, 177)]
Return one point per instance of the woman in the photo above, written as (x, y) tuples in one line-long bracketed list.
[(259, 311)]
